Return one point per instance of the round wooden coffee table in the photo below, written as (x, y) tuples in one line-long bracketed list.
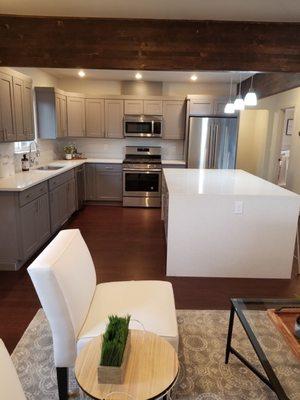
[(151, 370)]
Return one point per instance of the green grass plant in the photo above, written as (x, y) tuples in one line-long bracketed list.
[(114, 341)]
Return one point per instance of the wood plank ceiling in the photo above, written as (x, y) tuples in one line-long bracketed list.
[(140, 44)]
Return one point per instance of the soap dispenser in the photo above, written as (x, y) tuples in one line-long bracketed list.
[(25, 163)]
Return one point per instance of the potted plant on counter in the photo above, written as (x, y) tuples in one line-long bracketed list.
[(69, 151), (115, 350)]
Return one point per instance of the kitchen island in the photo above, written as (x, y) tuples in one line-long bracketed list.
[(228, 223)]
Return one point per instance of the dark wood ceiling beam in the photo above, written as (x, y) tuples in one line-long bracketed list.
[(271, 83), (149, 44)]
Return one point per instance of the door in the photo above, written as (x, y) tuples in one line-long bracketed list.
[(43, 220), (76, 116), (201, 107), (173, 119), (94, 117), (224, 143), (141, 183), (200, 142), (134, 107), (6, 107), (58, 206), (70, 194), (114, 119), (61, 115), (153, 107), (19, 111), (108, 184), (29, 228), (28, 110), (90, 172)]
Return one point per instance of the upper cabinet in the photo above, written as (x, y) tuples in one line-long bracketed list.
[(94, 117), (16, 106), (133, 107), (201, 106), (61, 115), (7, 132), (153, 107), (114, 111), (174, 119), (146, 107), (76, 116)]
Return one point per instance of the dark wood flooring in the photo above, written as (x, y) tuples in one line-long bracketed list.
[(129, 244)]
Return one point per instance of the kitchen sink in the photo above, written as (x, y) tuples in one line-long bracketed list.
[(50, 167)]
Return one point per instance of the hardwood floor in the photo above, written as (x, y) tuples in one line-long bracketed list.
[(129, 244)]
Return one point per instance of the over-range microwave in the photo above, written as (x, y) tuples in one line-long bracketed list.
[(143, 126)]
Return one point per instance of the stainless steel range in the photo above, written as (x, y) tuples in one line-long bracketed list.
[(142, 176)]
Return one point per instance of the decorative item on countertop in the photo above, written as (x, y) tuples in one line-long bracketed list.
[(115, 350), (69, 150), (25, 163), (297, 328)]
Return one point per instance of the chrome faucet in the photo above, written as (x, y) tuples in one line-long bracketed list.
[(32, 157)]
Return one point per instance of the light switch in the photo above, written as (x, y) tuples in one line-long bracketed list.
[(238, 207)]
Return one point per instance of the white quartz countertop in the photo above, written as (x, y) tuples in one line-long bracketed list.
[(25, 180), (200, 182)]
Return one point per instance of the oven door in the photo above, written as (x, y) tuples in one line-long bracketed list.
[(141, 183)]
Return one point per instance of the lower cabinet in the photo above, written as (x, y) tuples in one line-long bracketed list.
[(35, 225), (62, 204), (104, 182)]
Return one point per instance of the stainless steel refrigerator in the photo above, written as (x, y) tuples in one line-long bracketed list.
[(212, 142)]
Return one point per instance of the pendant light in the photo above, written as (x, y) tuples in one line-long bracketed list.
[(229, 108), (239, 103), (251, 98)]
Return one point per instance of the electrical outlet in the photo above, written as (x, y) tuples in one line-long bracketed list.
[(238, 207)]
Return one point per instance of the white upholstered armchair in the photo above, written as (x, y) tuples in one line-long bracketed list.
[(77, 308), (10, 386)]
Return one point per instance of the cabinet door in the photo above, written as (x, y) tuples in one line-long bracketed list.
[(70, 194), (18, 108), (28, 110), (94, 117), (134, 107), (58, 206), (108, 184), (29, 228), (114, 119), (153, 107), (201, 107), (43, 219), (76, 117), (90, 170), (173, 119), (6, 107), (61, 115)]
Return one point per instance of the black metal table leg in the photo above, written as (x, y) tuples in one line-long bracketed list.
[(62, 383), (229, 335)]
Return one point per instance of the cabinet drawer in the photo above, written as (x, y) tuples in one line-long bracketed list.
[(60, 179), (32, 193), (109, 167)]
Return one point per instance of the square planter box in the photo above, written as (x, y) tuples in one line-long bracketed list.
[(115, 375)]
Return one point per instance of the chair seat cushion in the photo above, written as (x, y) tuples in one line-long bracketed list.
[(150, 302)]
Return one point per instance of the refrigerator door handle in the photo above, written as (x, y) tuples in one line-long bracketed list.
[(212, 165), (210, 146)]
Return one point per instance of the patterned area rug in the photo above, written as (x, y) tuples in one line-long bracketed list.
[(203, 374)]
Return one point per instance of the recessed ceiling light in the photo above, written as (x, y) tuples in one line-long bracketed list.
[(138, 76), (194, 77), (81, 73)]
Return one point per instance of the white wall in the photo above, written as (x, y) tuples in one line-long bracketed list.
[(183, 89), (276, 105), (90, 86)]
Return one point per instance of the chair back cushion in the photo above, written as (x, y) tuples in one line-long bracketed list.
[(65, 280), (10, 386)]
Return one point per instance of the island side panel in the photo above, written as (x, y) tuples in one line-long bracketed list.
[(207, 239)]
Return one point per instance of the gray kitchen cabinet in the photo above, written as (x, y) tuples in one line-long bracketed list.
[(35, 225), (19, 112), (51, 106), (114, 113), (133, 107), (62, 199), (173, 119), (94, 117), (104, 182), (28, 110), (7, 131), (153, 107), (201, 106), (108, 182), (76, 116)]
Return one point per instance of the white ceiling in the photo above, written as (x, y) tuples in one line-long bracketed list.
[(160, 76), (243, 10)]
